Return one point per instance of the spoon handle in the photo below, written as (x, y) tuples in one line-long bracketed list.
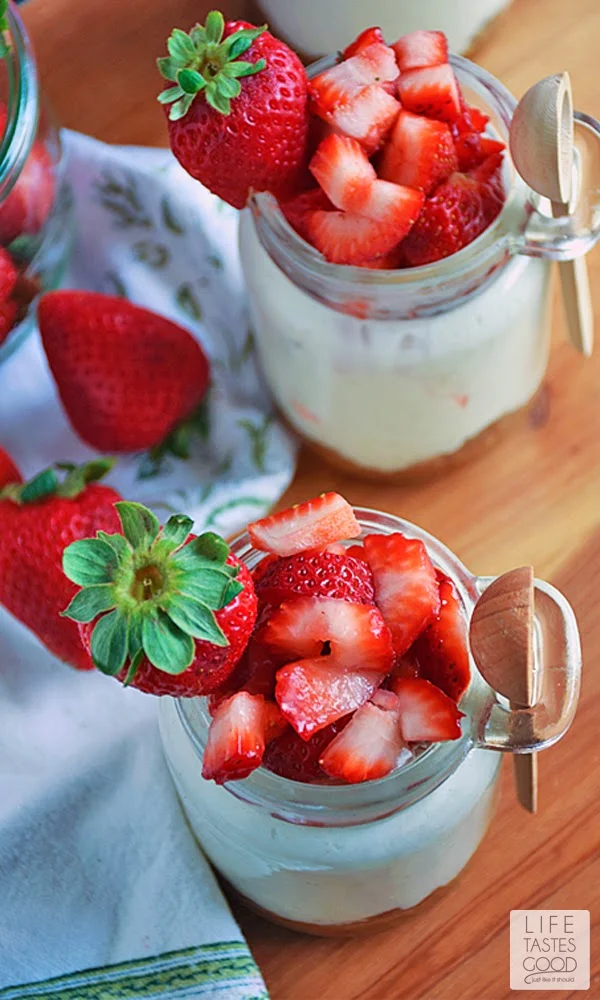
[(526, 780), (576, 296)]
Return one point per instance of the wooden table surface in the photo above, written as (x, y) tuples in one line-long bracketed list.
[(534, 498)]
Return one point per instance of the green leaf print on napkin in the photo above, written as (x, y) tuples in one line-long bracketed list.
[(169, 219), (257, 434), (120, 198), (113, 285), (189, 302), (155, 255)]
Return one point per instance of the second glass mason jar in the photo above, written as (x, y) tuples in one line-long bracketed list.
[(394, 373), (35, 206), (335, 858)]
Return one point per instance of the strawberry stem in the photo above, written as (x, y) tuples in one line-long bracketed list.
[(47, 483), (201, 62)]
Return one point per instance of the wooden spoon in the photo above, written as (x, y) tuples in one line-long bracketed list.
[(501, 637), (541, 145)]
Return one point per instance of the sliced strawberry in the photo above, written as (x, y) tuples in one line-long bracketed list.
[(389, 262), (407, 666), (370, 744), (427, 715), (336, 86), (314, 693), (357, 552), (431, 91), (442, 650), (317, 574), (8, 274), (236, 738), (406, 589), (356, 633), (367, 116), (392, 204), (472, 149), (309, 525), (341, 167), (292, 757), (347, 238), (263, 566), (336, 549), (368, 37), (296, 210), (454, 215), (419, 153), (275, 723), (471, 119), (421, 48)]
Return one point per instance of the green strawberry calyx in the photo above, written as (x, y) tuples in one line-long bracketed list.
[(49, 484), (152, 593), (204, 62)]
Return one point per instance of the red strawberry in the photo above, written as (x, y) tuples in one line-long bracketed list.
[(126, 377), (314, 693), (255, 671), (369, 746), (471, 119), (297, 210), (454, 215), (348, 238), (356, 633), (239, 731), (262, 567), (8, 317), (392, 204), (292, 757), (9, 472), (190, 639), (8, 274), (335, 87), (341, 167), (37, 521), (247, 127), (316, 574), (420, 153), (28, 204), (389, 262), (366, 116), (427, 715), (406, 588), (442, 650), (472, 149), (407, 666), (357, 552), (431, 91), (370, 36), (421, 48), (309, 525)]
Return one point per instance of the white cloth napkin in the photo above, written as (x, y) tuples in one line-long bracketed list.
[(103, 890)]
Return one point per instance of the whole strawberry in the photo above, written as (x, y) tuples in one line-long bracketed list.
[(127, 378), (236, 124), (164, 611), (37, 520), (8, 470)]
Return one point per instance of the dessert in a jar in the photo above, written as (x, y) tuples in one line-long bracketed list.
[(398, 273), (348, 771), (35, 216), (316, 27), (332, 742)]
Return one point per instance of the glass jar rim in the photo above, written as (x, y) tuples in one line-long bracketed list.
[(344, 805), (23, 104), (492, 243)]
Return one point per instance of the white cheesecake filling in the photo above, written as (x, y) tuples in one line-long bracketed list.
[(389, 394), (334, 875), (317, 27)]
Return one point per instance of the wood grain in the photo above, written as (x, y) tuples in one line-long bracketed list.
[(534, 498)]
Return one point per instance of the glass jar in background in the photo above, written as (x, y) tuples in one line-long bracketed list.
[(395, 374), (330, 859), (35, 207), (316, 27)]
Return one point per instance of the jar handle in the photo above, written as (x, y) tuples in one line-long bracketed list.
[(572, 235), (557, 678)]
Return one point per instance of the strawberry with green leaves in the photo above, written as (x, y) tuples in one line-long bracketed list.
[(37, 520), (128, 379), (160, 609), (9, 472), (237, 108)]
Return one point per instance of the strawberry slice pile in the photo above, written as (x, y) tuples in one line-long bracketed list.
[(358, 653), (406, 173)]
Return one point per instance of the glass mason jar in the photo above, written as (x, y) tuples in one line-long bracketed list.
[(330, 858), (35, 208), (392, 374), (316, 27)]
